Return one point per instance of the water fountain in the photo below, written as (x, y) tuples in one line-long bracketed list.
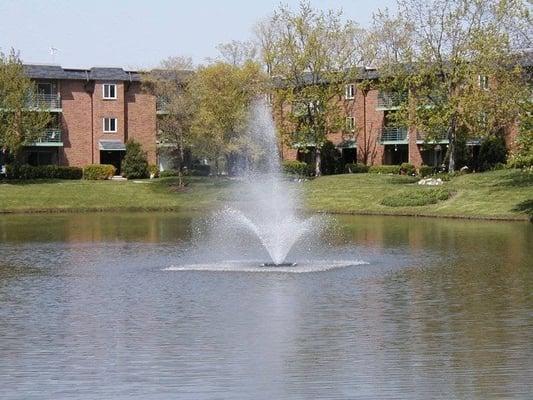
[(262, 209)]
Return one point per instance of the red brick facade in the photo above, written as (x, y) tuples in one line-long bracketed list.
[(80, 111)]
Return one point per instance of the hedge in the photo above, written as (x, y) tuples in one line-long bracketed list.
[(200, 170), (295, 168), (426, 170), (384, 169), (168, 173), (42, 172), (417, 197), (97, 172), (356, 168), (154, 170), (407, 169)]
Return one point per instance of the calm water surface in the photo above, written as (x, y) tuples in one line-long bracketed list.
[(442, 310)]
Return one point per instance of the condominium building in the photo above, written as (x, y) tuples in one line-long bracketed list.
[(94, 113)]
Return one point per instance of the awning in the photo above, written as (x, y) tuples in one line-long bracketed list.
[(112, 145)]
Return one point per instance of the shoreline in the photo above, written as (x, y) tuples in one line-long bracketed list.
[(84, 210)]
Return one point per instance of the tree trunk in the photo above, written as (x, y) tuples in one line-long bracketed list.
[(318, 162), (451, 146)]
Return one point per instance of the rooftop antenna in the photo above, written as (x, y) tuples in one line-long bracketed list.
[(53, 52)]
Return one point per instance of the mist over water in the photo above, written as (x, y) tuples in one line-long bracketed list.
[(264, 204)]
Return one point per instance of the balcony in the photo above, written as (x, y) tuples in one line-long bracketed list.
[(46, 102), (50, 137), (393, 135), (390, 101), (161, 105), (441, 138)]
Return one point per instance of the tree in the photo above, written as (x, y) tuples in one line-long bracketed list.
[(222, 95), (134, 164), (170, 86), (237, 53), (20, 124), (311, 55), (458, 64)]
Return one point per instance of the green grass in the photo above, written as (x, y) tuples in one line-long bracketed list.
[(497, 194), (158, 194)]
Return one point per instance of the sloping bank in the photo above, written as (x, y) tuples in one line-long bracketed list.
[(505, 194)]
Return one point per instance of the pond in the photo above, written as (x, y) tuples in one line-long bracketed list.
[(438, 309)]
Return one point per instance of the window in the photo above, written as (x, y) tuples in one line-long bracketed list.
[(110, 125), (110, 91), (350, 124), (483, 82), (349, 91)]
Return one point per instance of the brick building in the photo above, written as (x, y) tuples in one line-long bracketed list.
[(94, 112), (370, 137)]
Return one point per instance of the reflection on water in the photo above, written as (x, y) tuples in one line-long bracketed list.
[(441, 310)]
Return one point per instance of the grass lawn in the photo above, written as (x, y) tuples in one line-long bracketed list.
[(497, 194)]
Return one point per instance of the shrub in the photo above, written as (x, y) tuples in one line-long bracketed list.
[(425, 170), (168, 173), (491, 152), (384, 169), (416, 197), (522, 156), (200, 170), (356, 168), (42, 172), (402, 179), (98, 172), (134, 164), (407, 169), (153, 170), (295, 168)]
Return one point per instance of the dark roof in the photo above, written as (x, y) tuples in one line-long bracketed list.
[(96, 73)]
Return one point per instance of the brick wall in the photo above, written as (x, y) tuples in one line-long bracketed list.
[(75, 124), (141, 119)]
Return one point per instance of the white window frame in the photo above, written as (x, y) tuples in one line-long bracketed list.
[(350, 124), (108, 85), (483, 81), (104, 125), (349, 91)]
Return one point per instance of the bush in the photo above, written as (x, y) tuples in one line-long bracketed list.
[(416, 197), (42, 172), (168, 173), (384, 169), (200, 170), (522, 156), (134, 164), (98, 172), (153, 170), (407, 169), (491, 152), (356, 168), (298, 168), (426, 170)]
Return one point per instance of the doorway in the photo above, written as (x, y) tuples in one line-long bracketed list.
[(113, 158)]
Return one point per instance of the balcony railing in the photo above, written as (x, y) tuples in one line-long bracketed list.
[(393, 134), (45, 101), (161, 105), (439, 138), (390, 100), (50, 136)]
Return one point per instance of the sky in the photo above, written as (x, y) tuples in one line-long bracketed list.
[(139, 34)]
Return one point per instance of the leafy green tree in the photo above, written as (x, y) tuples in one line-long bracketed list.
[(222, 94), (20, 123), (134, 164), (169, 84), (311, 55), (457, 61)]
